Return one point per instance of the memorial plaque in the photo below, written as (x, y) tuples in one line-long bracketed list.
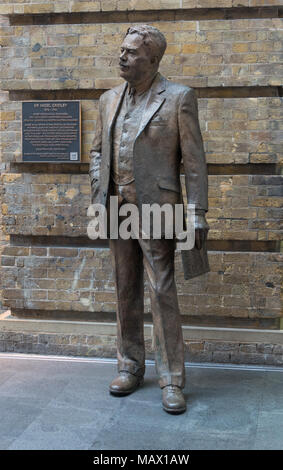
[(51, 131)]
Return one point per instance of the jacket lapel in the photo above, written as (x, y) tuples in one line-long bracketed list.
[(154, 101), (114, 108), (113, 111)]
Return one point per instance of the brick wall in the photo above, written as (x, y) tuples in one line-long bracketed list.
[(55, 6), (4, 98), (69, 50), (105, 346), (234, 130), (200, 53), (240, 286), (241, 207)]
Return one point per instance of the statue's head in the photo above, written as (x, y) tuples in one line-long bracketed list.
[(141, 52)]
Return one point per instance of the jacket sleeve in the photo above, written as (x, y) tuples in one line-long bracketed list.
[(95, 155), (192, 151)]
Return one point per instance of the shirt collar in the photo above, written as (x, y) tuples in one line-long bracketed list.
[(141, 88)]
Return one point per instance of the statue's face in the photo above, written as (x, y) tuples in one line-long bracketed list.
[(135, 59)]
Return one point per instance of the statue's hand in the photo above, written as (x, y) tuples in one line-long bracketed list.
[(201, 229)]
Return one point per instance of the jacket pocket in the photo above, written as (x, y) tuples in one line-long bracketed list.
[(169, 183), (158, 124), (158, 121)]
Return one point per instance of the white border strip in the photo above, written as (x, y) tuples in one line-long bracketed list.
[(96, 360)]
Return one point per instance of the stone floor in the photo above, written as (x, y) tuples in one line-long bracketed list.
[(49, 402)]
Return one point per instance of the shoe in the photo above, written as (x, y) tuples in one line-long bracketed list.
[(125, 384), (173, 400)]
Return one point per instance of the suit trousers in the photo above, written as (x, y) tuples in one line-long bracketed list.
[(129, 258)]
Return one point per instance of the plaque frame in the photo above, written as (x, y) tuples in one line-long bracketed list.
[(56, 162)]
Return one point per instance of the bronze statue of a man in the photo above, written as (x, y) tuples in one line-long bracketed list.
[(145, 128)]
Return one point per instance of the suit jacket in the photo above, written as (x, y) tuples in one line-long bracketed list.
[(168, 133)]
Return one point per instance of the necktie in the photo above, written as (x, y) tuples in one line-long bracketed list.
[(132, 96)]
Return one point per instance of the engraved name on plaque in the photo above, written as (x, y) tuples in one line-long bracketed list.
[(51, 131)]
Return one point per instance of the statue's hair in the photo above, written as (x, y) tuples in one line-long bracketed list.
[(152, 37)]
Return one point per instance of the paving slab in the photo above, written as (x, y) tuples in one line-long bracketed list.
[(57, 403), (269, 430)]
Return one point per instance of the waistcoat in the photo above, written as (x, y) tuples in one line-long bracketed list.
[(124, 133)]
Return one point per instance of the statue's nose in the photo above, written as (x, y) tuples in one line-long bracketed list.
[(122, 55)]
